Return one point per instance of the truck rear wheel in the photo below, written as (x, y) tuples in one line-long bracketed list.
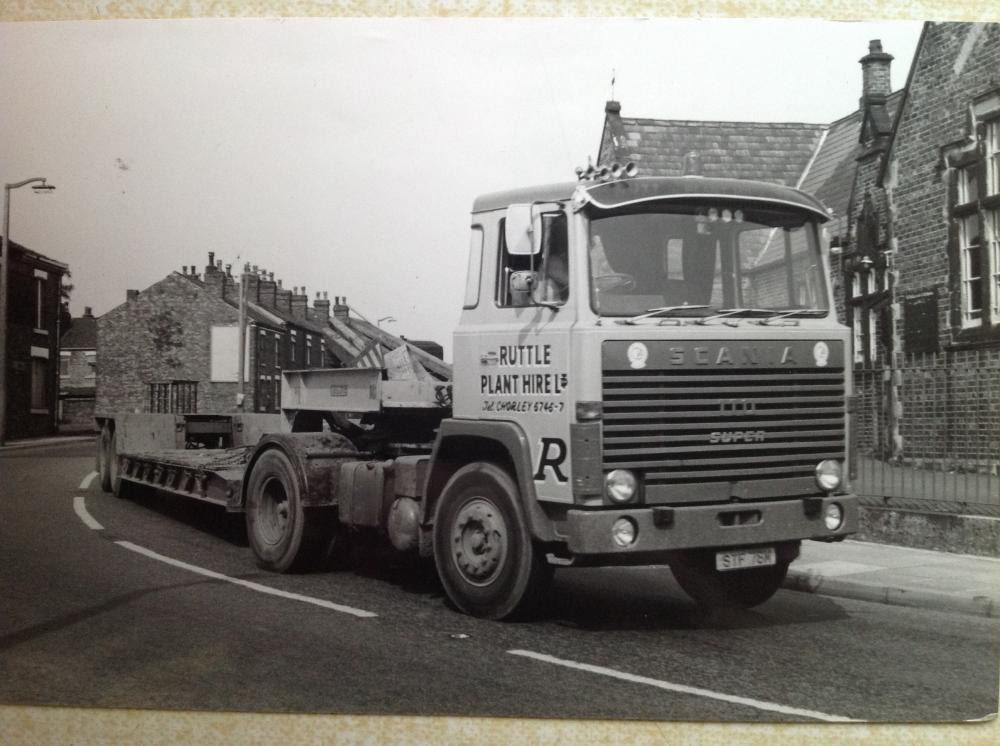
[(282, 534), (483, 550), (696, 574)]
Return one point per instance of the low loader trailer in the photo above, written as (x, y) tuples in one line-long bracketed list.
[(647, 371)]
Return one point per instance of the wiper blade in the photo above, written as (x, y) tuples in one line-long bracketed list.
[(795, 312), (726, 312), (654, 312)]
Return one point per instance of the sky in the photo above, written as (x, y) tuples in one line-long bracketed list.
[(344, 154)]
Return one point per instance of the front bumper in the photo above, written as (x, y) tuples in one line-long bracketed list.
[(663, 530)]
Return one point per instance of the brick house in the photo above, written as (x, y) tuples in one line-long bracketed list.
[(78, 373), (34, 285), (174, 346)]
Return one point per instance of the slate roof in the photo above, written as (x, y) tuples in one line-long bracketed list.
[(778, 152), (818, 158), (82, 334)]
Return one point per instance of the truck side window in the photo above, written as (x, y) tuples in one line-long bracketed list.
[(475, 269), (550, 266), (554, 276), (507, 264)]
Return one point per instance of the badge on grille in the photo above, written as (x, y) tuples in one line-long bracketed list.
[(638, 354), (821, 353)]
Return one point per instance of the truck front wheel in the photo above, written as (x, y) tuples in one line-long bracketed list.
[(281, 532), (483, 550), (696, 574)]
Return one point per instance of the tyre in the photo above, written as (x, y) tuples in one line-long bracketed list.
[(282, 534), (483, 550), (696, 574), (102, 460), (107, 462), (112, 468)]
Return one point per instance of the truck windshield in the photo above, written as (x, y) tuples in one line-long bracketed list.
[(724, 255)]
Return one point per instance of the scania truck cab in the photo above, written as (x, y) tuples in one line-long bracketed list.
[(646, 371)]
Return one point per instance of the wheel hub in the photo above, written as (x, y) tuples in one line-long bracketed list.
[(479, 541)]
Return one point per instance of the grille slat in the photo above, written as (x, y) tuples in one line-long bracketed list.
[(661, 421)]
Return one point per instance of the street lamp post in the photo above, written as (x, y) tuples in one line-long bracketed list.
[(41, 187)]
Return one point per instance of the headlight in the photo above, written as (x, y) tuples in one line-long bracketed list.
[(828, 475), (624, 532), (620, 485), (833, 516)]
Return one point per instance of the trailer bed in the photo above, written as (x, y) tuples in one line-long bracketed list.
[(210, 475)]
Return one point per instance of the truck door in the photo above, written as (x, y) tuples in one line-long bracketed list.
[(523, 348)]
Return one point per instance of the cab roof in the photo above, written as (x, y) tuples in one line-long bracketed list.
[(614, 194)]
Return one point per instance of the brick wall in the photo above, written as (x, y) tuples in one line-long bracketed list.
[(162, 335), (957, 63)]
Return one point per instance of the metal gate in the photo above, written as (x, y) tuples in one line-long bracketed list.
[(928, 432)]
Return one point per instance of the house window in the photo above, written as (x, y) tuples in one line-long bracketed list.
[(971, 255), (993, 239), (39, 389), (91, 358), (293, 345), (277, 351), (64, 364), (968, 184), (39, 303), (992, 142)]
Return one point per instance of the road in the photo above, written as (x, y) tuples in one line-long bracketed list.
[(153, 603)]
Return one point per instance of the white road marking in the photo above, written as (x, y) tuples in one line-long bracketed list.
[(833, 568), (85, 484), (695, 691), (246, 583), (81, 510)]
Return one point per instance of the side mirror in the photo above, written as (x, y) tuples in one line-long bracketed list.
[(523, 281), (522, 230)]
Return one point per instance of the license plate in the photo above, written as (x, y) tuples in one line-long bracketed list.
[(739, 559)]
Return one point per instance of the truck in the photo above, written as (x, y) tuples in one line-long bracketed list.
[(646, 371)]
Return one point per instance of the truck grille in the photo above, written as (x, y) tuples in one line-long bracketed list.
[(689, 426)]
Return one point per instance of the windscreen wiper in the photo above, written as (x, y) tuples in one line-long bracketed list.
[(654, 312), (726, 312), (795, 312)]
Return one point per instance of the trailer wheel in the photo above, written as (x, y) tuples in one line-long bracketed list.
[(696, 574), (107, 462), (483, 550), (283, 536), (102, 460)]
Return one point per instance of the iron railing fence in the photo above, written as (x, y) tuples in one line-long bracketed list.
[(928, 432), (173, 396)]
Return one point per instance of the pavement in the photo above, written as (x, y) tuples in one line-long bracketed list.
[(860, 570), (13, 445), (900, 576)]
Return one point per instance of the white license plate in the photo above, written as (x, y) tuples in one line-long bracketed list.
[(739, 559)]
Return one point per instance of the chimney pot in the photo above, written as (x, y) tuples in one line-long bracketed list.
[(88, 312), (229, 270), (184, 270), (131, 294), (211, 257), (218, 264)]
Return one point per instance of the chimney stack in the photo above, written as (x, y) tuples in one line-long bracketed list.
[(268, 290), (213, 277), (131, 295), (875, 69), (300, 301), (340, 308), (322, 307), (284, 299), (88, 312)]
